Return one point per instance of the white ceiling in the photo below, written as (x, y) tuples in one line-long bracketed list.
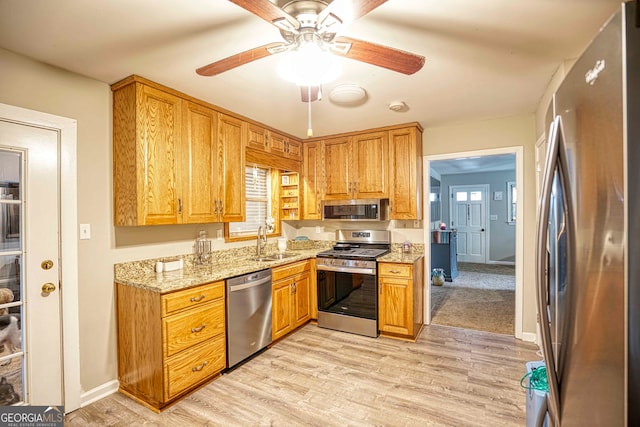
[(484, 59), (474, 164)]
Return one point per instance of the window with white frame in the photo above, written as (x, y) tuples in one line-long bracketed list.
[(258, 202), (512, 198)]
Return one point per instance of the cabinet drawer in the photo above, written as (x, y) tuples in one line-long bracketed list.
[(194, 297), (194, 365), (290, 269), (394, 270), (191, 327)]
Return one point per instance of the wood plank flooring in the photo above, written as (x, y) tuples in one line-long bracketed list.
[(319, 377)]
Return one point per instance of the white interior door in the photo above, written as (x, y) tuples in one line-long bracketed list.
[(468, 215), (30, 264)]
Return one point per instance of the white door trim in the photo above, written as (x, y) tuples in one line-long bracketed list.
[(519, 152), (67, 134)]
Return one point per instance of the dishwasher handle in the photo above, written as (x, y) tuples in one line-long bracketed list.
[(251, 284)]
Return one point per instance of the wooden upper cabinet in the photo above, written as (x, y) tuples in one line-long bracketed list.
[(338, 176), (370, 165), (405, 196), (146, 162), (231, 143), (268, 141), (175, 160), (257, 137), (356, 167), (199, 159), (311, 180), (284, 146)]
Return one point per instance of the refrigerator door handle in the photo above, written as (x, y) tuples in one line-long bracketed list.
[(555, 135)]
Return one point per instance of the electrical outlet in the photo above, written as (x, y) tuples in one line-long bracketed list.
[(416, 224), (219, 234), (318, 229)]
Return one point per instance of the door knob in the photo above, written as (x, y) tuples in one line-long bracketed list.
[(47, 288)]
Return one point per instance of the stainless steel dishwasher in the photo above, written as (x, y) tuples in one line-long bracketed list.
[(248, 315)]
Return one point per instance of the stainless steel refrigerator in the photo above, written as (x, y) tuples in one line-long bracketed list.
[(588, 237)]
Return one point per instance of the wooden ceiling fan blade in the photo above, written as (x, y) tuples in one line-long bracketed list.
[(382, 56), (341, 13), (269, 12), (304, 93), (241, 58)]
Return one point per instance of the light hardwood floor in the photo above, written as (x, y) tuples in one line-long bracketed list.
[(319, 377)]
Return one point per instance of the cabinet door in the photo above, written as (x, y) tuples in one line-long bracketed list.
[(406, 174), (294, 150), (395, 306), (370, 163), (278, 144), (257, 138), (231, 193), (338, 178), (158, 157), (302, 299), (312, 179), (198, 164), (281, 312)]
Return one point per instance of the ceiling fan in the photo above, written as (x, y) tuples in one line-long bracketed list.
[(317, 23)]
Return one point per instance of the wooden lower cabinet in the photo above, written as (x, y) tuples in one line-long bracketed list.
[(169, 344), (291, 297), (400, 303)]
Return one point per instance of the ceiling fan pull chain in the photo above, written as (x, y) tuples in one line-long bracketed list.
[(309, 128)]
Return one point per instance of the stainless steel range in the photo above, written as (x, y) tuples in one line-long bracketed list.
[(348, 281)]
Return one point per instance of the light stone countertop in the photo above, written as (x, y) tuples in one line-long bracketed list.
[(142, 275), (224, 265)]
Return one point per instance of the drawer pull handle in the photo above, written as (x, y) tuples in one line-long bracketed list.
[(395, 271), (199, 367), (197, 299), (198, 329)]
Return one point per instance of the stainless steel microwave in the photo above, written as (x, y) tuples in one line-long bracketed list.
[(355, 210)]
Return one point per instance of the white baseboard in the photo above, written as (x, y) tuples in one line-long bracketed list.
[(98, 393), (530, 337), (501, 262)]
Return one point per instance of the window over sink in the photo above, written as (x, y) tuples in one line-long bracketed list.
[(260, 186)]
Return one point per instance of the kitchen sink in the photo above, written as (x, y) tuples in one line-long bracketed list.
[(272, 257)]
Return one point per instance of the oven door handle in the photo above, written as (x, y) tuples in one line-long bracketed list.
[(366, 271)]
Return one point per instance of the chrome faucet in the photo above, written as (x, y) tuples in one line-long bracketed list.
[(261, 240)]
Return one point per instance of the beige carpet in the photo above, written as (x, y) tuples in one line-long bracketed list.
[(482, 298)]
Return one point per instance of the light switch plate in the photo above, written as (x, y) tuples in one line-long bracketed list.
[(85, 231), (493, 217)]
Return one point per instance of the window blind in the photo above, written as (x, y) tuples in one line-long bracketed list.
[(258, 206)]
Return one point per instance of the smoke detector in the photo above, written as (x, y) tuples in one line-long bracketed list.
[(398, 106)]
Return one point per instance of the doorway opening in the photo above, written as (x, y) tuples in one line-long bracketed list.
[(479, 215)]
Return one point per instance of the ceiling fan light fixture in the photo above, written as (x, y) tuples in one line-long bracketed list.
[(309, 65)]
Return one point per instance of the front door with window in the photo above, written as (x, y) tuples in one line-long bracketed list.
[(30, 315), (468, 217)]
